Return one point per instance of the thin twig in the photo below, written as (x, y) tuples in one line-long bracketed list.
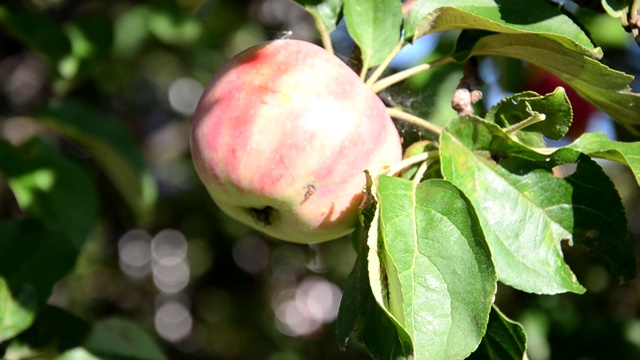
[(383, 66), (325, 35), (405, 163), (420, 173), (410, 118), (469, 89), (405, 74)]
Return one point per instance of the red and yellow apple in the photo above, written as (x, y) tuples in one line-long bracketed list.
[(281, 138)]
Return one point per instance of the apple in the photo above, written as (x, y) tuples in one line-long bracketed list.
[(281, 138)]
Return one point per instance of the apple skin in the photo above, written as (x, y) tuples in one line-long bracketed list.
[(281, 138)]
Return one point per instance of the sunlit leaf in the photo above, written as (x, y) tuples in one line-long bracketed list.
[(526, 209), (436, 276), (515, 16), (512, 203)]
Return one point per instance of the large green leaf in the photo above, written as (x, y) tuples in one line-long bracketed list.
[(505, 339), (111, 146), (604, 87), (17, 311), (526, 210), (431, 269), (513, 16), (375, 26)]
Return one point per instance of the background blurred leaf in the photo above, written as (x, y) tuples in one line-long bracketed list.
[(111, 146), (48, 37), (61, 203), (50, 188), (17, 311), (117, 338), (54, 330)]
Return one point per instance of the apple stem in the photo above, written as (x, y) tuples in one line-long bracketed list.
[(399, 114), (405, 74), (383, 66)]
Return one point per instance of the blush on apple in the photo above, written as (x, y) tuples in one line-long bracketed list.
[(281, 138)]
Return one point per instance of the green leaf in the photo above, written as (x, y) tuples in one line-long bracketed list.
[(111, 146), (436, 275), (604, 87), (54, 328), (116, 338), (375, 26), (360, 316), (513, 191), (77, 354), (514, 16), (48, 38), (598, 145), (60, 202), (31, 255), (505, 339), (325, 12), (517, 108), (51, 188), (17, 311)]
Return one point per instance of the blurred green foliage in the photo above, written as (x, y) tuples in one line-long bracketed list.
[(102, 92)]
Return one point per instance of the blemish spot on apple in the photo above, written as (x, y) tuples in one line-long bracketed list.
[(262, 216)]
